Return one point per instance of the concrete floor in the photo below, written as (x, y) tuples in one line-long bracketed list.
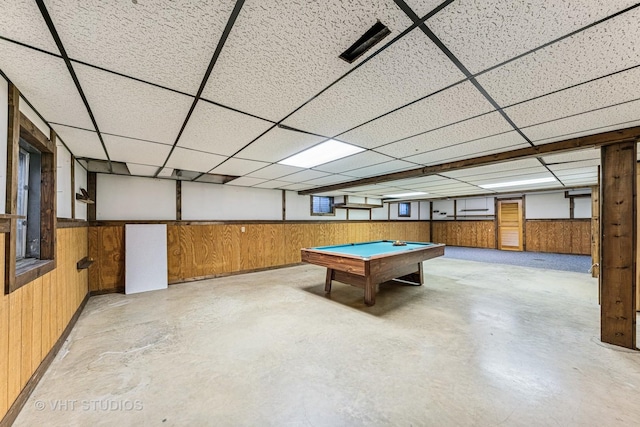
[(477, 345)]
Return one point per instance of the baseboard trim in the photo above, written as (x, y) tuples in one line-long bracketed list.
[(22, 398)]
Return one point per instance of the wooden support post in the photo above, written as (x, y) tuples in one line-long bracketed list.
[(91, 189), (618, 243), (595, 232), (11, 201), (178, 200), (48, 200), (73, 187)]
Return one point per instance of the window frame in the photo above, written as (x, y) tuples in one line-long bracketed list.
[(20, 127), (331, 203), (406, 215)]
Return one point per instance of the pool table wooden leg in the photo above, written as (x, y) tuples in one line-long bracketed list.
[(327, 282), (420, 273), (369, 292)]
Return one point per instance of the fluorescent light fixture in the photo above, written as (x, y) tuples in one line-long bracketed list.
[(322, 153), (517, 183), (395, 196)]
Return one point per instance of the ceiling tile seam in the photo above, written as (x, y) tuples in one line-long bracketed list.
[(582, 113), (572, 86), (56, 37), (442, 127), (37, 112), (586, 130), (113, 134), (28, 46), (543, 163), (504, 63), (571, 34), (216, 54), (357, 66)]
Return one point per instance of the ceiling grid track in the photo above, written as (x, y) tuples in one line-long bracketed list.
[(212, 63), (74, 77)]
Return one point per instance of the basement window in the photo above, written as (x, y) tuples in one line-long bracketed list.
[(322, 205), (404, 210), (28, 193)]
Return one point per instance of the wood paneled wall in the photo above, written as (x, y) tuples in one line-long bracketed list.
[(563, 236), (206, 250), (474, 234), (33, 317)]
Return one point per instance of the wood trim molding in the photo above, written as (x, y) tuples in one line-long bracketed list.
[(91, 189), (113, 223), (616, 136), (71, 223), (22, 398), (11, 203), (35, 137)]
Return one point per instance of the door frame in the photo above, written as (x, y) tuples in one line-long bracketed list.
[(496, 224)]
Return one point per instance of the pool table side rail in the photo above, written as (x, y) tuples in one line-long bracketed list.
[(349, 263)]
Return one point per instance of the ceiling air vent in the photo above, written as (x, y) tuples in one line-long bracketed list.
[(366, 42)]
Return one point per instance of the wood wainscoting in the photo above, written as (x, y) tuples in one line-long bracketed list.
[(34, 317), (199, 250), (562, 236), (469, 233)]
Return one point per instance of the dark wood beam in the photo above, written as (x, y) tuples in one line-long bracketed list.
[(615, 136), (618, 244), (178, 200), (35, 137), (91, 189), (11, 200), (73, 187), (48, 201)]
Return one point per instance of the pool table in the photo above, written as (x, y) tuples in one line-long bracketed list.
[(368, 264)]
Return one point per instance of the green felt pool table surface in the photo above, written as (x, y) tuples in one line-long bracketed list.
[(371, 249)]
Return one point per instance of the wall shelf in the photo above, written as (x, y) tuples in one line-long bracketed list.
[(84, 263), (83, 197)]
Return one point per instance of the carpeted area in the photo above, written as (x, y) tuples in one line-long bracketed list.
[(576, 263)]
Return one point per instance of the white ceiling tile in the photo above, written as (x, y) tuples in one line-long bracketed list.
[(482, 33), (191, 160), (167, 43), (328, 180), (278, 144), (273, 184), (245, 181), (165, 172), (567, 168), (304, 175), (129, 108), (278, 57), (218, 130), (574, 156), (388, 167), (395, 78), (616, 117), (22, 21), (135, 151), (359, 160), (81, 143), (296, 187), (45, 81), (507, 177), (141, 170), (275, 171), (498, 167), (422, 180), (238, 167), (576, 173), (423, 7), (469, 130), (597, 51), (619, 88), (452, 105)]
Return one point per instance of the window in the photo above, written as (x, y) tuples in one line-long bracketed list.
[(404, 210), (321, 205)]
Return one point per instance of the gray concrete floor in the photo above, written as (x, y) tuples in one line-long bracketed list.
[(477, 345)]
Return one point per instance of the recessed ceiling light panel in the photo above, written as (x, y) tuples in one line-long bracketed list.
[(518, 183), (396, 196), (322, 153)]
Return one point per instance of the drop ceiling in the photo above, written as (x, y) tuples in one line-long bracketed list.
[(233, 87)]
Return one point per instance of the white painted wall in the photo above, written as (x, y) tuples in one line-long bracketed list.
[(133, 198), (547, 206), (582, 207), (425, 211), (393, 212), (358, 214), (33, 116), (63, 179), (299, 209), (442, 209), (468, 208), (380, 214), (80, 181), (4, 121), (202, 201)]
